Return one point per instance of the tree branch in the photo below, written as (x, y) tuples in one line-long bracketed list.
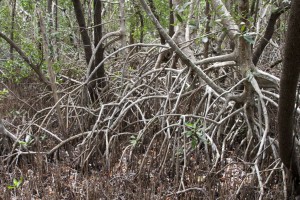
[(226, 18), (34, 67), (269, 32), (179, 52)]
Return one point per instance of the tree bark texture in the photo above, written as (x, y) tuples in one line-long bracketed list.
[(171, 19), (288, 85), (97, 78), (13, 16), (99, 55), (154, 11), (268, 33), (83, 31)]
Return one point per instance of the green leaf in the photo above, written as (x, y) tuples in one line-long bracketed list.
[(4, 92), (22, 143), (15, 181), (19, 182), (133, 140), (194, 143), (193, 25), (249, 39), (243, 28), (218, 8), (179, 18), (188, 133), (190, 125), (11, 187)]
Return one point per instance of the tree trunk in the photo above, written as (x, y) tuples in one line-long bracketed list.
[(97, 79), (13, 16), (100, 74), (268, 33), (171, 19), (207, 29), (288, 86), (83, 31), (153, 9)]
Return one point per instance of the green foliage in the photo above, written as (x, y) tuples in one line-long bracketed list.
[(181, 12), (134, 22), (179, 18), (15, 70), (163, 10), (5, 20), (133, 140), (193, 25), (3, 93), (16, 184), (195, 133), (30, 48), (22, 143), (27, 5), (57, 66), (249, 37), (27, 142)]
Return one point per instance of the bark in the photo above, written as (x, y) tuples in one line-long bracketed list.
[(99, 54), (141, 18), (122, 22), (268, 33), (4, 132), (52, 76), (171, 19), (55, 24), (253, 5), (288, 86), (13, 16), (226, 19), (254, 10), (189, 19), (56, 15), (207, 28), (49, 6), (153, 9), (245, 55), (97, 77), (83, 31), (179, 52)]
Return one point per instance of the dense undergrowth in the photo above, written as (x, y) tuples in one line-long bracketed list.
[(154, 133)]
